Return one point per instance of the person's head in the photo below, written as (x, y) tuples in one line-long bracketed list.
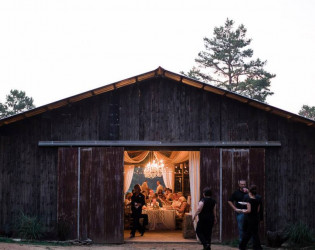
[(137, 188), (160, 192), (242, 184), (207, 191), (128, 196), (182, 199), (175, 196), (171, 196), (158, 183), (145, 184), (253, 189), (151, 192)]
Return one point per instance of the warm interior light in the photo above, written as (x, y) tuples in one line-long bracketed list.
[(154, 168)]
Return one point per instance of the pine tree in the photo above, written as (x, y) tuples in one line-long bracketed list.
[(226, 63), (16, 102), (308, 112)]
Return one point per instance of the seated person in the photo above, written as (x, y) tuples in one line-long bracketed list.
[(151, 195), (128, 198), (146, 197), (128, 203), (157, 199), (176, 203), (155, 204), (161, 195), (180, 211), (168, 194)]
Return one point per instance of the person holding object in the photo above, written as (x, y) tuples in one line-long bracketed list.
[(207, 216), (137, 202), (236, 197), (251, 219)]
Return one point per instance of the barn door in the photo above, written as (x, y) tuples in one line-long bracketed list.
[(221, 169), (90, 192)]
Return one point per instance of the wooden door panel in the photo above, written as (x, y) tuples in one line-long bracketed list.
[(106, 223), (114, 184), (210, 177), (67, 197), (257, 177), (101, 192), (229, 225), (247, 164), (240, 165), (85, 189)]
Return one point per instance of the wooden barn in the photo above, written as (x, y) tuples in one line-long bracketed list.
[(66, 160)]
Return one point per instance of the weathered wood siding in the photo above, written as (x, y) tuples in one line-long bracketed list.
[(100, 182), (163, 110), (234, 164)]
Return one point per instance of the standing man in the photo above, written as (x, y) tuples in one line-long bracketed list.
[(137, 202), (236, 197), (159, 187)]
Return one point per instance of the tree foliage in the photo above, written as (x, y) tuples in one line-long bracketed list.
[(226, 63), (308, 112), (16, 102)]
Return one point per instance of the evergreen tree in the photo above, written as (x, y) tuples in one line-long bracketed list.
[(16, 102), (308, 112), (226, 63)]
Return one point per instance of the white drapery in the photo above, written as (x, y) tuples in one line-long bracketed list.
[(174, 158), (194, 180), (128, 173), (168, 176)]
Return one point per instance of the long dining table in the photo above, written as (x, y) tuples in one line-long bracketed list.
[(161, 219)]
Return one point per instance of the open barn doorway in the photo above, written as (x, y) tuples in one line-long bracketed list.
[(165, 181)]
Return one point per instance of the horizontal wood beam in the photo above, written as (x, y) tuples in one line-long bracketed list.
[(158, 144)]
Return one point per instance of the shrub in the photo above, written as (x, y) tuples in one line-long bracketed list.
[(299, 234), (29, 227)]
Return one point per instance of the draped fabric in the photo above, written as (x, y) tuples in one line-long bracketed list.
[(174, 158), (136, 159), (168, 176), (194, 180), (128, 174)]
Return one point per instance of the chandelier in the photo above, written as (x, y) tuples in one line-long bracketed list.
[(154, 168)]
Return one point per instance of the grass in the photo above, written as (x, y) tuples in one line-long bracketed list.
[(300, 234)]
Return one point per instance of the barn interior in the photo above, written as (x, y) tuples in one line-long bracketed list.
[(170, 221)]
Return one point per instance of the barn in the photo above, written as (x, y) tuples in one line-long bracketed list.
[(68, 159)]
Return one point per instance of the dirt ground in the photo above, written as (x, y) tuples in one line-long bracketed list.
[(129, 246)]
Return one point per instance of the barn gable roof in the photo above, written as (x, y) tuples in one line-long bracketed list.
[(159, 72)]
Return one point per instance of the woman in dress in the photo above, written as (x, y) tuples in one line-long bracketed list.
[(251, 219), (207, 216)]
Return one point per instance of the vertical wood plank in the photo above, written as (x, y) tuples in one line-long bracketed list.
[(106, 209), (229, 225), (85, 189), (67, 188), (257, 177), (210, 177)]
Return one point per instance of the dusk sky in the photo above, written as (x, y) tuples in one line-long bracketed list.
[(53, 49)]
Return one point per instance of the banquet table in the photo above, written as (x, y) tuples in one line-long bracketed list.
[(161, 218)]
